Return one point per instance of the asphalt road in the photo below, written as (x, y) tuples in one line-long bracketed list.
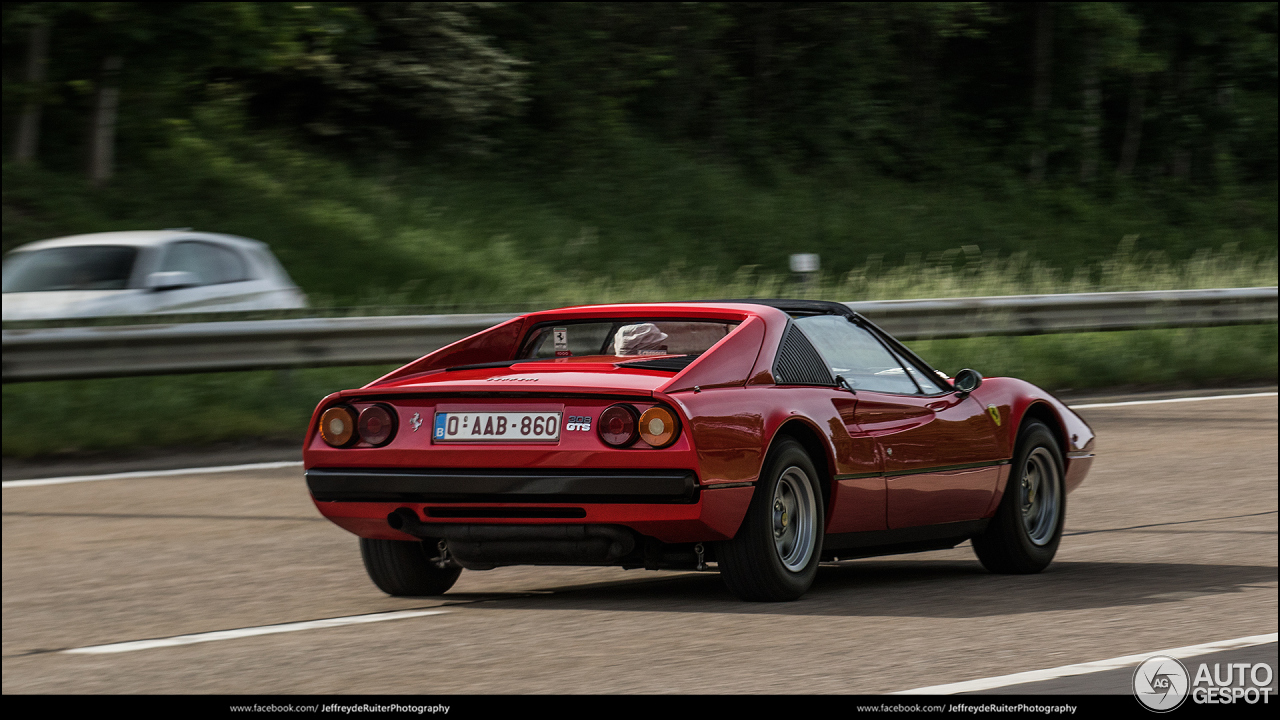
[(1170, 542)]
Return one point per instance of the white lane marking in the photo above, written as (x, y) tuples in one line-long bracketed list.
[(1173, 400), (1089, 667), (148, 473), (248, 632), (278, 465)]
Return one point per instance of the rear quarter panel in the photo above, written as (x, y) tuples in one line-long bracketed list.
[(733, 430)]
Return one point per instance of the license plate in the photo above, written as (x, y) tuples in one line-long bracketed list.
[(497, 427)]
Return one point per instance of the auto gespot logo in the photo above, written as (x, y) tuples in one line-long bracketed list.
[(1162, 683)]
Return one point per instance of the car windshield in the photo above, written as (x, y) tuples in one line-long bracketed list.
[(625, 338), (92, 267)]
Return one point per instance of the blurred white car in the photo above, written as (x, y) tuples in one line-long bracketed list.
[(142, 272)]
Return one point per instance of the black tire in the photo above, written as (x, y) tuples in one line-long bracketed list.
[(1023, 536), (406, 567), (754, 564)]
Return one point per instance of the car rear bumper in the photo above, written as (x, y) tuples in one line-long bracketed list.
[(669, 505), (437, 485)]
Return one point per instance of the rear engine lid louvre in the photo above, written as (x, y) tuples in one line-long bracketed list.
[(669, 364)]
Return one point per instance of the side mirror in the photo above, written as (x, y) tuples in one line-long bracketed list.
[(171, 280), (966, 381)]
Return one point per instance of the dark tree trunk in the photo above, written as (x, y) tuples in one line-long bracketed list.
[(764, 67), (1091, 117), (28, 139), (1042, 61), (103, 133), (1133, 126), (1181, 144), (927, 104), (1223, 166)]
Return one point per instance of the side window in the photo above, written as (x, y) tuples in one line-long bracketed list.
[(211, 264), (926, 380), (857, 355)]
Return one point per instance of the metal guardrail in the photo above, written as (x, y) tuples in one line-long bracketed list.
[(113, 351), (1067, 313)]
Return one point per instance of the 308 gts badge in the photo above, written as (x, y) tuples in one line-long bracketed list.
[(578, 422)]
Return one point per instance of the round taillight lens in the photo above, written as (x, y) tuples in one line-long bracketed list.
[(618, 425), (658, 427), (338, 426), (376, 425)]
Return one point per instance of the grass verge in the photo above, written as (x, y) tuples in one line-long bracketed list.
[(656, 222)]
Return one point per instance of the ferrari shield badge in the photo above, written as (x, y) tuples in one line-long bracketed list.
[(994, 412), (561, 338)]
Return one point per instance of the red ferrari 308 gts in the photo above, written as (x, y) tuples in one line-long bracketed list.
[(761, 436)]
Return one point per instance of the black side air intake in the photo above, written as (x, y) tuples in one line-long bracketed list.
[(798, 363)]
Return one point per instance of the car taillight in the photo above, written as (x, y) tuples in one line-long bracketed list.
[(338, 426), (617, 425), (659, 427), (377, 424)]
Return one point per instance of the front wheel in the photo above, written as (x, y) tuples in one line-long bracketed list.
[(1023, 536), (406, 567), (776, 551)]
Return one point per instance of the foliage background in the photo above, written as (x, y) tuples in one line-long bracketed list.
[(503, 156), (491, 153)]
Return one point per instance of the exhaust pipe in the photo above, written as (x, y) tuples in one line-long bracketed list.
[(405, 520)]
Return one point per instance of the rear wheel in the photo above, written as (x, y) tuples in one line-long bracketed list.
[(406, 567), (1023, 536), (776, 551)]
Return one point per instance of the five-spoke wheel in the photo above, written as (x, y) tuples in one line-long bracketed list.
[(775, 553), (1038, 494), (794, 519), (1024, 534)]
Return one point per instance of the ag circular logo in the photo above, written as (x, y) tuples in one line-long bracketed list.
[(1161, 683)]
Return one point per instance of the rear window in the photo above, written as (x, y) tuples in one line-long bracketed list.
[(85, 267), (625, 338)]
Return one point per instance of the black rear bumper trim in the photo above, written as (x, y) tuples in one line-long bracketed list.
[(472, 486)]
